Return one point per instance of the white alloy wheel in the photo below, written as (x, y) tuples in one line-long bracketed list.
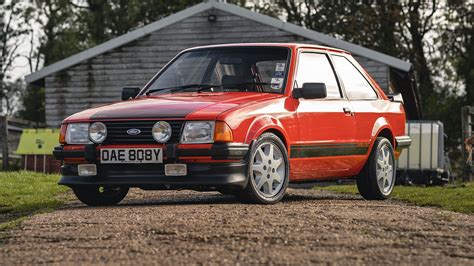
[(268, 169), (385, 170), (377, 178)]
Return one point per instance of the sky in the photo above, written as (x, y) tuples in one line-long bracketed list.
[(20, 65)]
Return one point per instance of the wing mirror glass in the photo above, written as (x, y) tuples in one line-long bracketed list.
[(310, 91), (130, 93)]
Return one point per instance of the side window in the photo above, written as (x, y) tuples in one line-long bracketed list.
[(315, 68), (357, 87)]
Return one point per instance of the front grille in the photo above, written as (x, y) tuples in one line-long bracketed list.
[(117, 132)]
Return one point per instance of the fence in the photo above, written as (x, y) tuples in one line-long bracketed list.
[(10, 134)]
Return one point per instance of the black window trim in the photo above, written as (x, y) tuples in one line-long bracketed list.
[(328, 57), (362, 74)]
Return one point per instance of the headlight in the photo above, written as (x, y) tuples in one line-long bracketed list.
[(161, 131), (77, 133), (97, 132), (198, 132)]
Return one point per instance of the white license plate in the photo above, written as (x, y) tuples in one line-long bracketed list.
[(131, 155)]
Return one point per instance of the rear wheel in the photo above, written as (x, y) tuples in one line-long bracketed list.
[(268, 171), (377, 179), (100, 195)]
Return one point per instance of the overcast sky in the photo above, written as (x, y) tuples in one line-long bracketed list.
[(21, 67)]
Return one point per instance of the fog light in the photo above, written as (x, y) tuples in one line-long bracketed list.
[(87, 169), (175, 169)]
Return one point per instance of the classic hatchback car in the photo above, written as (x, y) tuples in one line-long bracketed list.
[(242, 119)]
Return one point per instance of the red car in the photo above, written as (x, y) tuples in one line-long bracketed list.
[(242, 119)]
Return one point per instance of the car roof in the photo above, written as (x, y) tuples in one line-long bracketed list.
[(288, 45)]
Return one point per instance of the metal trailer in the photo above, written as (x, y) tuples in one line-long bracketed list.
[(425, 161)]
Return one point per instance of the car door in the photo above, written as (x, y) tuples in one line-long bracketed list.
[(365, 102), (326, 126)]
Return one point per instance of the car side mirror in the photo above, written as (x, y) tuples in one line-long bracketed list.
[(396, 97), (130, 93), (311, 91)]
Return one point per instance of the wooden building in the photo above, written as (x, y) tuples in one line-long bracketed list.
[(96, 76)]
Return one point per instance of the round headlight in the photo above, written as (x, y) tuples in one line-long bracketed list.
[(97, 132), (161, 131)]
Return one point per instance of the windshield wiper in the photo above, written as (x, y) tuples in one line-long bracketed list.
[(202, 87), (246, 83), (183, 87), (236, 85), (233, 85)]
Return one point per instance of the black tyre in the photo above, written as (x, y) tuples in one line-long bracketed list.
[(100, 195), (377, 179), (268, 171)]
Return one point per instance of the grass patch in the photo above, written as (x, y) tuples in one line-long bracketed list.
[(26, 193), (458, 198)]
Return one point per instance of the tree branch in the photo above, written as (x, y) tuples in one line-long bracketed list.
[(427, 23), (77, 6)]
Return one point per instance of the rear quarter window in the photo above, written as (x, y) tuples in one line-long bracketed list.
[(355, 84)]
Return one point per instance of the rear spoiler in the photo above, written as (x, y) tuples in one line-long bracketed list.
[(396, 97)]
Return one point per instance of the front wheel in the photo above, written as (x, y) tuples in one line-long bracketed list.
[(377, 179), (100, 195), (268, 171)]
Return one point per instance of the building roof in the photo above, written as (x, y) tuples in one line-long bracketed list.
[(233, 9)]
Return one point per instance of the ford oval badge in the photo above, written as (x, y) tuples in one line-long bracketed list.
[(133, 131)]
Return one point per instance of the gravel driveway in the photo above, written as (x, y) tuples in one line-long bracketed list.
[(309, 226)]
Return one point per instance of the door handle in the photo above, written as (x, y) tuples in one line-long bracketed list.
[(347, 111)]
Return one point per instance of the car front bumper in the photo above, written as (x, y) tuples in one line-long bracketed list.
[(216, 166), (198, 174)]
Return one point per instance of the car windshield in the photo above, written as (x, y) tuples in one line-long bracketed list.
[(257, 69)]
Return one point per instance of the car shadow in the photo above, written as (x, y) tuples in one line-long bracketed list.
[(184, 200), (216, 198), (326, 196)]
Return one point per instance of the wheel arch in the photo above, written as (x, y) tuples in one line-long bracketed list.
[(267, 124), (382, 128), (387, 133), (279, 134)]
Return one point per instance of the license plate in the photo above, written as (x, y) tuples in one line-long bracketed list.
[(131, 155)]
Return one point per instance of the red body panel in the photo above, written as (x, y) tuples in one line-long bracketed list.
[(299, 122)]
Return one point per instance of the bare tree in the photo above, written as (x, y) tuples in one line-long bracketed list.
[(10, 41), (417, 24)]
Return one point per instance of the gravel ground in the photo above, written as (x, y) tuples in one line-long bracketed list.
[(186, 227)]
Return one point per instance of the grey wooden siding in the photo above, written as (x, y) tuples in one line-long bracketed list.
[(378, 71), (100, 79)]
